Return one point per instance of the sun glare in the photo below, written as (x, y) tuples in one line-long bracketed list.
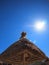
[(40, 25)]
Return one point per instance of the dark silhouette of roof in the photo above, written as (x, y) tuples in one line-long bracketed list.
[(22, 44)]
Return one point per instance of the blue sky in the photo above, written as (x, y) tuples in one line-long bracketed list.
[(16, 15)]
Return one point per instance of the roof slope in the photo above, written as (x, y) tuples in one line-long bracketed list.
[(21, 45)]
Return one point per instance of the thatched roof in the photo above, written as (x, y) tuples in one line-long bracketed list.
[(22, 44)]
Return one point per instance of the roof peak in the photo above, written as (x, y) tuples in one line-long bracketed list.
[(23, 35)]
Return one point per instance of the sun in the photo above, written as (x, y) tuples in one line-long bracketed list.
[(40, 25)]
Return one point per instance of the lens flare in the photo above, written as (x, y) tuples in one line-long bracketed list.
[(40, 25)]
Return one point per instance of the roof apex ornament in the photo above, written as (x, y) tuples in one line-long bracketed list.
[(23, 35)]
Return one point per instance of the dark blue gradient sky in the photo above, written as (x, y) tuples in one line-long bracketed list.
[(16, 15)]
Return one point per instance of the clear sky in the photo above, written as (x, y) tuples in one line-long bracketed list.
[(17, 16)]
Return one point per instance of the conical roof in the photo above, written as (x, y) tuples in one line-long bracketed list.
[(19, 46)]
